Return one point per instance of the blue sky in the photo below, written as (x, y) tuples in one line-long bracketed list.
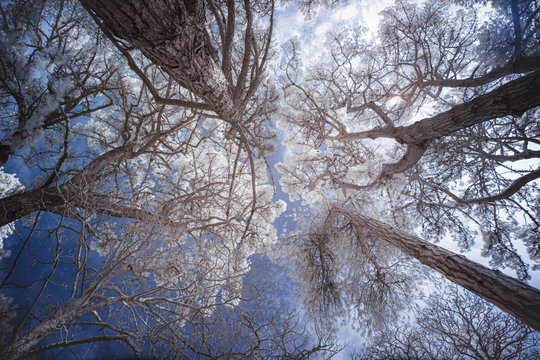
[(291, 23)]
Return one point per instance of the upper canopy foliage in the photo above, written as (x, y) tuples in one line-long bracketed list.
[(430, 125), (140, 131)]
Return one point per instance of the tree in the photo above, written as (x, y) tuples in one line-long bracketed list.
[(455, 324), (152, 196), (252, 103), (146, 292), (151, 191), (51, 77), (332, 276), (174, 37), (416, 126), (429, 118)]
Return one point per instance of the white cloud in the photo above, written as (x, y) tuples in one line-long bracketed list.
[(345, 13), (289, 23)]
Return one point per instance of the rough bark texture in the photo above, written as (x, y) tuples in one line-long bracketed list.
[(172, 35), (20, 205), (74, 191), (512, 98), (58, 199), (514, 297)]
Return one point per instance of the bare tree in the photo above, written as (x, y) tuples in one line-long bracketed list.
[(49, 78), (456, 325), (157, 298)]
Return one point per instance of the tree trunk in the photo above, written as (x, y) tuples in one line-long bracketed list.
[(22, 204), (74, 191), (512, 98), (172, 35), (512, 296)]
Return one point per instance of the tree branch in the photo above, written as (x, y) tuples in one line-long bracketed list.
[(517, 66), (377, 109), (506, 193)]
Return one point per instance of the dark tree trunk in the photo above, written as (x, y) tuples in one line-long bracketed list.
[(20, 205), (514, 297), (172, 35), (74, 191)]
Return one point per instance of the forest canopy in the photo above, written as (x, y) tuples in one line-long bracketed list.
[(188, 179)]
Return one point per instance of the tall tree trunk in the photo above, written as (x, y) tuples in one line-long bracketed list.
[(514, 297), (172, 35)]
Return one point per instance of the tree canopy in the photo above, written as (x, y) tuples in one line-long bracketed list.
[(138, 203)]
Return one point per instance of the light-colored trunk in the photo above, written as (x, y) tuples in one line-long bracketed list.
[(513, 296)]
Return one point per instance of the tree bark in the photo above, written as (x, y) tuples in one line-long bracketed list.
[(54, 198), (173, 36), (512, 296), (512, 98), (23, 204)]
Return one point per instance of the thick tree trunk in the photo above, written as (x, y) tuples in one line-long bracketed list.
[(514, 297), (20, 205), (74, 191), (172, 35), (512, 98), (55, 200)]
